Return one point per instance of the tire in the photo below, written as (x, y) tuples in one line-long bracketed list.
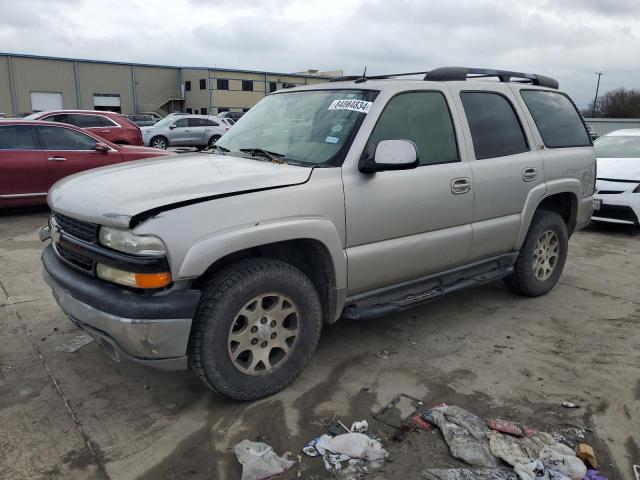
[(219, 321), (159, 143), (213, 140), (532, 276)]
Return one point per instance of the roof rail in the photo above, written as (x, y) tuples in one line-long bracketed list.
[(374, 77), (462, 73)]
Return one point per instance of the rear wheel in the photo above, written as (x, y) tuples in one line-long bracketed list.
[(256, 328), (542, 256), (159, 142), (213, 140)]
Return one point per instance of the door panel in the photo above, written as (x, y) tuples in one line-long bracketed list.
[(23, 169), (181, 134), (505, 168), (68, 151), (402, 225)]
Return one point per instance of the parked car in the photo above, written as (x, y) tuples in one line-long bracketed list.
[(143, 120), (229, 122), (34, 155), (235, 116), (184, 131), (391, 194), (111, 126), (617, 197)]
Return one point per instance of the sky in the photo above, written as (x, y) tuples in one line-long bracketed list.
[(569, 40)]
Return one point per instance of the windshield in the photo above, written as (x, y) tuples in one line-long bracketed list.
[(313, 127), (618, 147)]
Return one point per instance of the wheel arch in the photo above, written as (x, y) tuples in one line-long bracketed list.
[(311, 245)]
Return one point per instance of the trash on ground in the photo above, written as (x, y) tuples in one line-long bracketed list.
[(585, 453), (259, 461), (469, 474), (310, 448), (383, 414), (419, 423), (536, 470), (570, 405), (360, 451), (512, 428), (76, 343), (636, 471), (595, 475), (360, 427), (385, 353), (466, 434)]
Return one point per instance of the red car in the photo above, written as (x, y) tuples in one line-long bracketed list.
[(34, 155), (109, 125)]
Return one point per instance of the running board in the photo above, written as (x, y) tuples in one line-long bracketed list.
[(353, 312)]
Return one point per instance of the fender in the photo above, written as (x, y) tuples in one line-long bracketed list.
[(538, 194), (214, 247)]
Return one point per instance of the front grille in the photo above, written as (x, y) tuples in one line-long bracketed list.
[(77, 228), (616, 212), (75, 259)]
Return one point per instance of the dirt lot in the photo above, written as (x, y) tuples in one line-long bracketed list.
[(79, 415)]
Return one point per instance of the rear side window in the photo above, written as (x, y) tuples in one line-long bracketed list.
[(423, 118), (17, 137), (60, 138), (495, 128), (89, 121), (557, 119)]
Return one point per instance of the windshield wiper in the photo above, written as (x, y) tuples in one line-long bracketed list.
[(219, 148), (273, 156)]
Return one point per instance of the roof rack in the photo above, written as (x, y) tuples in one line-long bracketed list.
[(444, 74)]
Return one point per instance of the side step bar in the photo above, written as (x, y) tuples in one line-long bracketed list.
[(353, 312)]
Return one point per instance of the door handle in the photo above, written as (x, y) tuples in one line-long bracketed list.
[(460, 185), (56, 159), (529, 174)]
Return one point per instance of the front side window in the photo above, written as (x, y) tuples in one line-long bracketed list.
[(618, 146), (495, 128), (182, 123), (313, 127), (558, 121), (17, 137), (205, 122), (59, 117), (423, 118), (60, 138)]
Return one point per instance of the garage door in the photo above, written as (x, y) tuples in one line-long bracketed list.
[(106, 101), (41, 101)]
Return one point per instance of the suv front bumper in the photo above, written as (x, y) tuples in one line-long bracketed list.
[(149, 329)]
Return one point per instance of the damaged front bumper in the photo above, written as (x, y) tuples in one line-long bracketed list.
[(148, 329)]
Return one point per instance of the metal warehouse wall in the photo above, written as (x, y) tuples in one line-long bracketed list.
[(106, 79), (6, 106), (605, 125), (153, 84)]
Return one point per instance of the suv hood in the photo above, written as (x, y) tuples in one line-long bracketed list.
[(619, 168), (113, 195)]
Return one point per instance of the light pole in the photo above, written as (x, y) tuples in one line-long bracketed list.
[(593, 112)]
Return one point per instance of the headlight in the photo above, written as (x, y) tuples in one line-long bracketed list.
[(131, 279), (128, 242)]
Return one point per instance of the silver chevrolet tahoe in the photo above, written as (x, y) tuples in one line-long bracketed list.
[(351, 199)]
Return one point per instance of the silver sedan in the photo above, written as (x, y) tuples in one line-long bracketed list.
[(184, 131)]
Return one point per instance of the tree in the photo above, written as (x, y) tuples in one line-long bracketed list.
[(618, 103)]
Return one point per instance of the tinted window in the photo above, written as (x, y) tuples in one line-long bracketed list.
[(60, 138), (495, 128), (16, 137), (203, 84), (59, 117), (223, 84), (557, 119), (247, 85), (183, 122), (89, 121), (209, 123), (423, 118), (187, 85), (618, 146)]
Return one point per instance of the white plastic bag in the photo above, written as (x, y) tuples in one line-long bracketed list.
[(259, 461)]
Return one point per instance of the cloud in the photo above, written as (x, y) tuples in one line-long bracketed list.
[(568, 39)]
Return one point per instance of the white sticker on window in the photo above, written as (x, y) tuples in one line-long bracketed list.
[(332, 140), (354, 105)]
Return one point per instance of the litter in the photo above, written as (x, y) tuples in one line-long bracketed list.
[(512, 428), (469, 474), (385, 353), (76, 343), (570, 405), (537, 471), (358, 449), (310, 448), (383, 414), (585, 453), (466, 434), (360, 427), (594, 475), (636, 471), (259, 461)]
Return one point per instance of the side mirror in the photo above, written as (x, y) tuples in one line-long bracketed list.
[(172, 126), (101, 147), (391, 155)]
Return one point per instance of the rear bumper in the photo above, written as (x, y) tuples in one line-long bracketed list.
[(151, 330)]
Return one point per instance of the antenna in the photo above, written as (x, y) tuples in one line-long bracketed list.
[(363, 78)]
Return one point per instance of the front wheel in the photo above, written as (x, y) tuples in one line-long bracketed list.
[(213, 140), (542, 256), (159, 142), (256, 328)]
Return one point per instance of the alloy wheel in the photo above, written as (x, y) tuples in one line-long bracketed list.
[(545, 255)]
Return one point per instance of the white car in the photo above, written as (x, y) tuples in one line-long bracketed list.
[(229, 122), (617, 197)]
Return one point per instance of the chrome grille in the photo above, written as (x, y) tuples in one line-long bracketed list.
[(76, 228)]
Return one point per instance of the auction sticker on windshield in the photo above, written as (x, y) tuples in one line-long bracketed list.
[(350, 104)]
